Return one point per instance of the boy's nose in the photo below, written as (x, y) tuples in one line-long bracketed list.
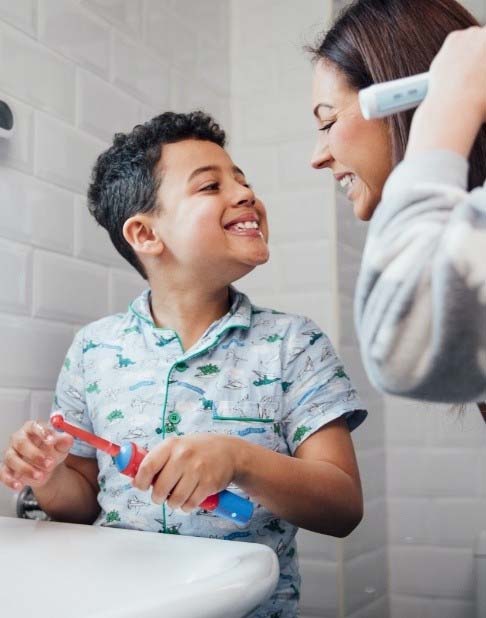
[(245, 196), (249, 202)]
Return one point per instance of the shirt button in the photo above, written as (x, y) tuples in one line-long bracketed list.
[(174, 418), (181, 366)]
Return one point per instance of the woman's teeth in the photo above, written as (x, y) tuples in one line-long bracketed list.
[(349, 179)]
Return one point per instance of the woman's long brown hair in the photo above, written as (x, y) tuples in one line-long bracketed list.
[(373, 41)]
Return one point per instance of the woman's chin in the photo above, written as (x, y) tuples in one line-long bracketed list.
[(363, 209)]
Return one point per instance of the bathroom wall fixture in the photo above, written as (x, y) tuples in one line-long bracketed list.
[(7, 121)]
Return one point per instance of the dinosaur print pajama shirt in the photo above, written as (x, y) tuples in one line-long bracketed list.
[(264, 376)]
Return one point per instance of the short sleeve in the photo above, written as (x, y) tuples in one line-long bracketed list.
[(70, 397), (317, 389)]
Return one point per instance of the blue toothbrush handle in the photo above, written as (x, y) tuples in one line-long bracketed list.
[(234, 508), (225, 504)]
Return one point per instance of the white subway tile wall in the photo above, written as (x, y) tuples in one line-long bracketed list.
[(311, 266), (22, 14), (272, 140), (365, 569), (50, 83), (76, 33), (75, 72), (436, 506)]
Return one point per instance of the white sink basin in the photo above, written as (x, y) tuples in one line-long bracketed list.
[(54, 570)]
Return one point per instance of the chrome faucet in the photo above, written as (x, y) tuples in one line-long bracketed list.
[(28, 507)]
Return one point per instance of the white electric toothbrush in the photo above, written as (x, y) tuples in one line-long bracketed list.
[(388, 98)]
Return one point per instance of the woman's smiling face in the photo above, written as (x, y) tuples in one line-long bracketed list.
[(357, 151)]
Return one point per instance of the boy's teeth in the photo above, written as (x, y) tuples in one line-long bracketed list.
[(246, 225)]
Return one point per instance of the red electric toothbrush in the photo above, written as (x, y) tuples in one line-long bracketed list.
[(128, 457)]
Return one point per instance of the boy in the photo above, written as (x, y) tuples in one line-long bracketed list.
[(220, 392)]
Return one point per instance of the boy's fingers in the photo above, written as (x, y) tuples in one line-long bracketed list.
[(166, 482), (7, 478), (199, 495), (62, 443), (20, 468), (41, 435), (181, 493), (151, 466), (30, 453)]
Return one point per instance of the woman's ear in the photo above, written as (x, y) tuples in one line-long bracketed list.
[(141, 235)]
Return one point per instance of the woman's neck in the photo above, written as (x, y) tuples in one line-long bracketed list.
[(188, 311)]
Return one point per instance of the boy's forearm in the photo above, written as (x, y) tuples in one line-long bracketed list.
[(68, 496), (315, 495)]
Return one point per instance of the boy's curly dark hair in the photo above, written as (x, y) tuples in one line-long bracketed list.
[(123, 182)]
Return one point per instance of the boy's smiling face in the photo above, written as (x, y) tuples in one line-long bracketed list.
[(210, 221)]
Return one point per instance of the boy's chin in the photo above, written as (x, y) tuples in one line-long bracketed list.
[(245, 266), (258, 259)]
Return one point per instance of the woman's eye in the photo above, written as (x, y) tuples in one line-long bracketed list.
[(326, 127)]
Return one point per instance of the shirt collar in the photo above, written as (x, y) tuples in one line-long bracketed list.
[(238, 316)]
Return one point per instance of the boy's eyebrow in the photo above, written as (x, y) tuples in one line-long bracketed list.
[(212, 168)]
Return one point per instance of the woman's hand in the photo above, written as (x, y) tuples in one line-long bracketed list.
[(32, 455), (454, 109), (185, 470), (458, 73)]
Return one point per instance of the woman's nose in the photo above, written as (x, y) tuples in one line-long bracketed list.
[(321, 157)]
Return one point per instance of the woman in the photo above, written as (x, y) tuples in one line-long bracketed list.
[(421, 300)]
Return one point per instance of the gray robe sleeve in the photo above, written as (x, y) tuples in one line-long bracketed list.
[(420, 304)]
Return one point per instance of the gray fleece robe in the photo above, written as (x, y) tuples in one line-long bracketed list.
[(420, 305)]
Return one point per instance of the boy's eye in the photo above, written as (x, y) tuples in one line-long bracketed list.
[(326, 127), (214, 186)]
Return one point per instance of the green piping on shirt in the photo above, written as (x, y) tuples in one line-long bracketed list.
[(199, 353)]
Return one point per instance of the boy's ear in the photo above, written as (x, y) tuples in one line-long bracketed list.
[(140, 234)]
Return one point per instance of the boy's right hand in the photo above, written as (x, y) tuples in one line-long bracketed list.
[(32, 455)]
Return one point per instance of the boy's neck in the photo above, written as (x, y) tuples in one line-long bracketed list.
[(189, 312)]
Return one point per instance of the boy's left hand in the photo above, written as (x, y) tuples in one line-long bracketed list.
[(185, 470)]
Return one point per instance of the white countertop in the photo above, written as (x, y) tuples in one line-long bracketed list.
[(55, 570)]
